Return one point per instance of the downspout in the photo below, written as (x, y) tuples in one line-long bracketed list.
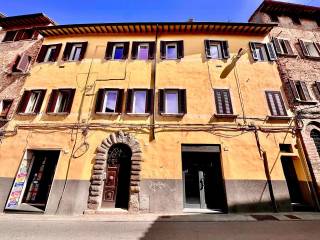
[(153, 86)]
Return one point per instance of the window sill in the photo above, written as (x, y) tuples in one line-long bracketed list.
[(139, 114), (71, 61), (287, 118), (302, 102), (107, 113), (233, 116), (172, 114), (312, 58), (57, 114), (19, 73), (287, 55), (27, 114)]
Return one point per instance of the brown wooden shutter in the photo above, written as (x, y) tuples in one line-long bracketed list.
[(125, 50), (129, 101), (182, 101), (180, 50), (9, 36), (303, 48), (162, 49), (317, 46), (24, 63), (294, 89), (70, 102), (218, 101), (35, 35), (83, 50), (40, 101), (152, 46), (277, 45), (99, 101), (52, 101), (207, 48), (134, 50), (305, 91), (109, 50), (24, 102), (56, 52), (253, 48), (149, 101), (119, 100), (19, 35), (161, 101), (67, 51), (227, 105), (288, 47), (6, 107), (271, 103), (42, 53), (271, 52), (225, 49)]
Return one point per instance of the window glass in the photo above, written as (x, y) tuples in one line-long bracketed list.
[(75, 52), (1, 106), (143, 52), (139, 102), (215, 51), (261, 53), (311, 49), (62, 101), (118, 52), (171, 51), (33, 100), (110, 101), (171, 101), (50, 52)]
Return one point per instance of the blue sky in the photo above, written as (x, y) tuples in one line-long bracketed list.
[(93, 11)]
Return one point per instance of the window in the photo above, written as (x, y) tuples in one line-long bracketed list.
[(139, 101), (117, 50), (10, 36), (61, 101), (273, 18), (310, 49), (49, 53), (75, 51), (143, 50), (282, 46), (262, 51), (20, 35), (31, 101), (172, 101), (318, 22), (296, 20), (5, 107), (300, 91), (21, 63), (315, 135), (275, 103), (171, 49), (216, 49), (223, 101), (285, 148), (109, 101)]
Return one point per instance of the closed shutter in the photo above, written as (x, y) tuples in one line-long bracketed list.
[(40, 101), (271, 52), (70, 102), (42, 53), (271, 104), (134, 50), (100, 99), (225, 49), (182, 101), (129, 101), (161, 101), (162, 49), (227, 102), (223, 101), (109, 50), (288, 47), (277, 45), (24, 102), (24, 63), (280, 104), (294, 89), (180, 53), (275, 103), (305, 91), (152, 46), (149, 101), (56, 52), (52, 101), (119, 101), (125, 50), (253, 51), (67, 51), (83, 50), (207, 48), (303, 48)]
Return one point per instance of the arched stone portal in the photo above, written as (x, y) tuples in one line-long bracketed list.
[(100, 165)]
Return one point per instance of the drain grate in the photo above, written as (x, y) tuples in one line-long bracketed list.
[(265, 217), (293, 217)]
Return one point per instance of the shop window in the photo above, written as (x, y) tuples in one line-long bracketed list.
[(171, 50), (117, 50), (143, 50), (31, 102), (172, 102), (139, 101), (223, 101), (109, 101), (276, 104), (263, 51), (60, 101), (75, 51), (216, 49), (5, 107), (49, 53)]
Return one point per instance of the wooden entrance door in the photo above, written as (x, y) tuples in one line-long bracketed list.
[(110, 186)]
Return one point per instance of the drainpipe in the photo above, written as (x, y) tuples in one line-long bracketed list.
[(153, 86)]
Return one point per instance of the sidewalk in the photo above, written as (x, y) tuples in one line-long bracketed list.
[(183, 217)]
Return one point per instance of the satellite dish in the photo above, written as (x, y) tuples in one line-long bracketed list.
[(231, 66)]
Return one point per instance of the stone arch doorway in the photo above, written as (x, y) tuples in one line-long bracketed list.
[(131, 157), (315, 135)]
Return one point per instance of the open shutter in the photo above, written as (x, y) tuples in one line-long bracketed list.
[(40, 101), (182, 101), (317, 46), (125, 50), (271, 104), (318, 86), (271, 52), (162, 49), (253, 51), (225, 49), (149, 101), (109, 50), (70, 102), (129, 101), (180, 53), (294, 90), (4, 110), (305, 91), (67, 51), (83, 50), (134, 50), (24, 63), (119, 100), (288, 47), (277, 45), (24, 102), (99, 101), (218, 101), (303, 48), (52, 101), (207, 48), (56, 52), (42, 53), (161, 101), (152, 46), (19, 35)]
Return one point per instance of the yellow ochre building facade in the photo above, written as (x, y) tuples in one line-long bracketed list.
[(154, 117)]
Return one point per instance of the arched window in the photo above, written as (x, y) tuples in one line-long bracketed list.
[(315, 135)]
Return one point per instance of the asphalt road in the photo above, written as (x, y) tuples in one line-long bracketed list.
[(75, 229)]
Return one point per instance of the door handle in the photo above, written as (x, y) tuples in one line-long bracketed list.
[(201, 184)]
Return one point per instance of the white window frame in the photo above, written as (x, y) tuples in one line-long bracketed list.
[(139, 48), (48, 53), (73, 52), (30, 108), (134, 101), (114, 49), (176, 48), (58, 103), (218, 45), (105, 100), (166, 102)]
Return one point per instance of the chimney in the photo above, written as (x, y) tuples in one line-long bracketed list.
[(191, 20)]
